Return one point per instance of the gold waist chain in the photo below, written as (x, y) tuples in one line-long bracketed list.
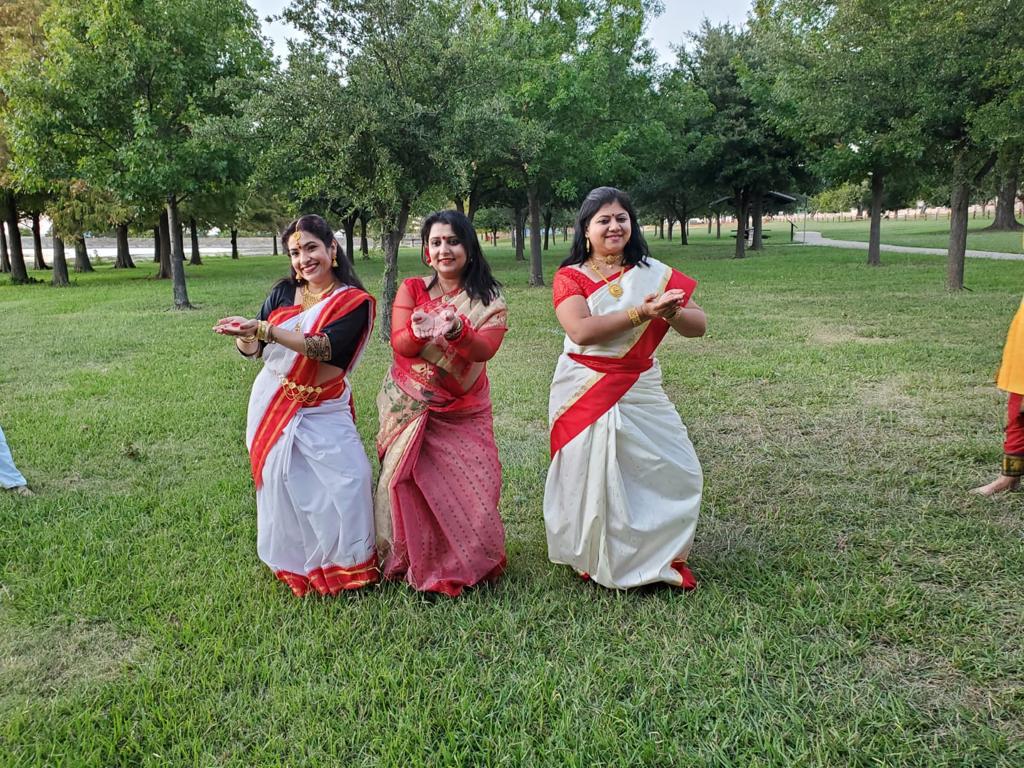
[(300, 393)]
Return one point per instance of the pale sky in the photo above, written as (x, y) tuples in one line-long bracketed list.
[(680, 17)]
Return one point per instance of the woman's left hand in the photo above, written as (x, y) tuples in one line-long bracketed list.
[(236, 326), (667, 304)]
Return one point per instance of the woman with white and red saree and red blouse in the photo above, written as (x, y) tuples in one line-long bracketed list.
[(436, 504), (624, 486), (314, 508)]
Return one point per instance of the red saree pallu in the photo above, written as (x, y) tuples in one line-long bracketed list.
[(436, 503)]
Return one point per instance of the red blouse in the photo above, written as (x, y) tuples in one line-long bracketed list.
[(471, 345)]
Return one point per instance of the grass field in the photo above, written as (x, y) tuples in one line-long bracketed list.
[(856, 608)]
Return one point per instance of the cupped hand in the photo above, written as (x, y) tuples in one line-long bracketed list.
[(447, 319), (664, 305), (422, 325), (236, 326)]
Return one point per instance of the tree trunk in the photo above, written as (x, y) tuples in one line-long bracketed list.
[(273, 243), (5, 255), (742, 198), (124, 257), (19, 273), (392, 237), (165, 248), (548, 214), (460, 205), (194, 236), (474, 204), (179, 240), (519, 232), (349, 225), (718, 226), (37, 243), (234, 243), (536, 266), (671, 227), (757, 221), (959, 204), (1006, 198), (82, 263), (364, 246), (178, 257), (156, 245), (684, 219), (60, 265), (875, 230)]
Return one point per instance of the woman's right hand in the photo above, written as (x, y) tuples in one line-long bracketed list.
[(422, 325)]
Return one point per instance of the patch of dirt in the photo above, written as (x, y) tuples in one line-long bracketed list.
[(49, 662), (935, 684), (845, 335)]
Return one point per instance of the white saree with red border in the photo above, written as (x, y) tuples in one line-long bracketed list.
[(624, 486), (314, 504)]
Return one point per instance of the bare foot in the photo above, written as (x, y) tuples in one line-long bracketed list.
[(1001, 484)]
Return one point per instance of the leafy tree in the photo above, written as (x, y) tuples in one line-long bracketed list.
[(133, 97)]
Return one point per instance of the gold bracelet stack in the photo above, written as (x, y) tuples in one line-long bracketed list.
[(247, 339), (634, 317), (265, 332)]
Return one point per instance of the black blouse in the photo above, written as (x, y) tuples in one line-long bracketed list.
[(345, 334)]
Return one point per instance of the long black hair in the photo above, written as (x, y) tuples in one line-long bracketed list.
[(477, 279), (636, 250), (320, 229)]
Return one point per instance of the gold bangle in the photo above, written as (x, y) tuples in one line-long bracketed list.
[(265, 332), (247, 339), (634, 317)]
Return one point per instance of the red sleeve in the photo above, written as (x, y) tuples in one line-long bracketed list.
[(402, 339), (565, 286), (477, 346), (683, 282)]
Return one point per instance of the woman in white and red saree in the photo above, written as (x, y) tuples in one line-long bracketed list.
[(624, 486), (436, 503), (314, 509)]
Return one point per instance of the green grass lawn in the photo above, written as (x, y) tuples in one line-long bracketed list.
[(926, 233), (856, 607)]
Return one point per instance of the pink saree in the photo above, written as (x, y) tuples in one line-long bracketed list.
[(436, 503)]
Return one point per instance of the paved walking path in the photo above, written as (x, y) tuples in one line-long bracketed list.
[(815, 238)]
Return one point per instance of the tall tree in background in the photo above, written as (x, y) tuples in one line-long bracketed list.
[(401, 69), (133, 97), (20, 40)]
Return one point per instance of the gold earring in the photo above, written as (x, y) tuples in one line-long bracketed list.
[(588, 246), (334, 261)]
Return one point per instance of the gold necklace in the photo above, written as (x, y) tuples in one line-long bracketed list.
[(613, 285), (312, 299)]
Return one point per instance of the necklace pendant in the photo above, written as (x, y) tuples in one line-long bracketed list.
[(615, 290)]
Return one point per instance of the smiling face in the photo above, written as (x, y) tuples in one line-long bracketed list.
[(609, 230), (446, 252), (311, 259)]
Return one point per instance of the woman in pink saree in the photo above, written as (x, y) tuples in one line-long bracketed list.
[(436, 504)]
